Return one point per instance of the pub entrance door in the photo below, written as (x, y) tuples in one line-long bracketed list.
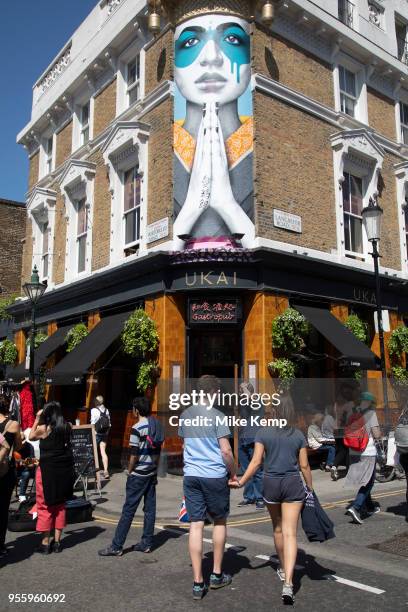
[(214, 351)]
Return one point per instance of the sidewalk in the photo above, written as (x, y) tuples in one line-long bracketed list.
[(170, 493)]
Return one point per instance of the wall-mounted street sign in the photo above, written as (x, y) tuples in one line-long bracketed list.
[(214, 311), (157, 230), (287, 221)]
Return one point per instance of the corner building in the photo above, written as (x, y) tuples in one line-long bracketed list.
[(214, 173)]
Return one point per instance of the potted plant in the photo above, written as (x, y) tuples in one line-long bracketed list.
[(75, 336), (8, 352)]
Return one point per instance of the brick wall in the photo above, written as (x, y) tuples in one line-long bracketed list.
[(160, 171), (60, 234), (64, 144), (12, 222), (104, 108), (390, 243), (33, 170), (294, 173), (102, 214), (159, 61), (381, 114), (291, 66)]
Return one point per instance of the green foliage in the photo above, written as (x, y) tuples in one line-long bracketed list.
[(4, 304), (75, 336), (289, 331), (139, 336), (284, 369), (358, 327), (398, 341), (147, 375), (40, 337), (400, 376), (8, 352)]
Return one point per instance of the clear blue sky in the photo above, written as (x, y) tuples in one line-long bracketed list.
[(31, 34)]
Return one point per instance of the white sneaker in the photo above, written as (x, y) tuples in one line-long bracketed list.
[(287, 594), (281, 574), (22, 498)]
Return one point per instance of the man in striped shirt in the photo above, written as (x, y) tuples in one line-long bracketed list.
[(141, 483)]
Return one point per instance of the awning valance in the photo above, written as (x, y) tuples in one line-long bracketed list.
[(41, 354), (71, 369), (352, 351)]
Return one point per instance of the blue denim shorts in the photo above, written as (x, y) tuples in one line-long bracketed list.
[(206, 496)]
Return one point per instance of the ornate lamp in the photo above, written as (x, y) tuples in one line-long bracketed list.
[(372, 218), (153, 20), (268, 12), (34, 290)]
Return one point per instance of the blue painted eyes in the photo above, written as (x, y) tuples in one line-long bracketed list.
[(233, 42)]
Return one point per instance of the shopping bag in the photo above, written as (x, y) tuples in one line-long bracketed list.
[(315, 522), (183, 514)]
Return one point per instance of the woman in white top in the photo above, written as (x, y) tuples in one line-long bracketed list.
[(102, 428)]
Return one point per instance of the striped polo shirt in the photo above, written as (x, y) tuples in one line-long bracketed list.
[(148, 456)]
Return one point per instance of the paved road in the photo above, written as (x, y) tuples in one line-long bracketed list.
[(365, 579)]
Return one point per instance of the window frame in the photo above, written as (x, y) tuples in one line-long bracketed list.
[(136, 84), (137, 209), (81, 237), (85, 128), (344, 94), (49, 155), (348, 252), (45, 252)]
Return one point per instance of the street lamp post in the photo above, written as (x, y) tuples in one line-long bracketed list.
[(372, 217), (34, 290)]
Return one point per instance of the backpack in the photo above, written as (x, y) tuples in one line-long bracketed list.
[(155, 435), (355, 433), (103, 423), (401, 434)]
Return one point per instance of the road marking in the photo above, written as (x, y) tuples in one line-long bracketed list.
[(351, 583)]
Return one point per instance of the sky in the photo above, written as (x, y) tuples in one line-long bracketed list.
[(31, 34)]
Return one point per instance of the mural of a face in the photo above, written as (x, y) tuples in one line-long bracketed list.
[(212, 59)]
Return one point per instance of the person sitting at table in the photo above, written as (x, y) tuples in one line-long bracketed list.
[(317, 441)]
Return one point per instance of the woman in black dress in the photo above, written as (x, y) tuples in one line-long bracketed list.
[(55, 474), (12, 435)]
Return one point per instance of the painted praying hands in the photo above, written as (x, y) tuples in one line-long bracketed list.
[(210, 185)]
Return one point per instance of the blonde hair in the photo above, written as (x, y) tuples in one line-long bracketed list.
[(99, 400)]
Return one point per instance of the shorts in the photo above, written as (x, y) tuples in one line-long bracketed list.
[(206, 496), (101, 437), (283, 489)]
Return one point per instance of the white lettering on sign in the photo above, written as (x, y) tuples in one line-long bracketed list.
[(287, 221), (158, 229)]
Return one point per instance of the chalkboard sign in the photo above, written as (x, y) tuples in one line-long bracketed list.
[(85, 451)]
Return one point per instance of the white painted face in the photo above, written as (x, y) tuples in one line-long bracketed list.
[(212, 58)]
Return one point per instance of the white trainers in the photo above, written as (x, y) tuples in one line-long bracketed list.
[(287, 594), (281, 574)]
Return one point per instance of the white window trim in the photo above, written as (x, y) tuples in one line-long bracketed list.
[(129, 245), (77, 124), (44, 155), (401, 175), (136, 48), (126, 147), (77, 182), (361, 107), (355, 151), (403, 99), (40, 208)]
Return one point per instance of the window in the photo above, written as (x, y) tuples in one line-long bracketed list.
[(348, 95), (132, 181), (345, 12), (45, 254), (352, 207), (82, 229), (85, 116), (404, 122), (401, 34), (133, 80), (48, 155)]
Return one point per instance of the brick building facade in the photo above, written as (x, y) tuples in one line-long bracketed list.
[(329, 107), (13, 221)]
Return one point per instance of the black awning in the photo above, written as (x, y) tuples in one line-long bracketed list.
[(352, 351), (41, 354), (70, 370)]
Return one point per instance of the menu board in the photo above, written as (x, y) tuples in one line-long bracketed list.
[(84, 449), (215, 311)]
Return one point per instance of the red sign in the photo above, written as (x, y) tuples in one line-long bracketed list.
[(215, 311)]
